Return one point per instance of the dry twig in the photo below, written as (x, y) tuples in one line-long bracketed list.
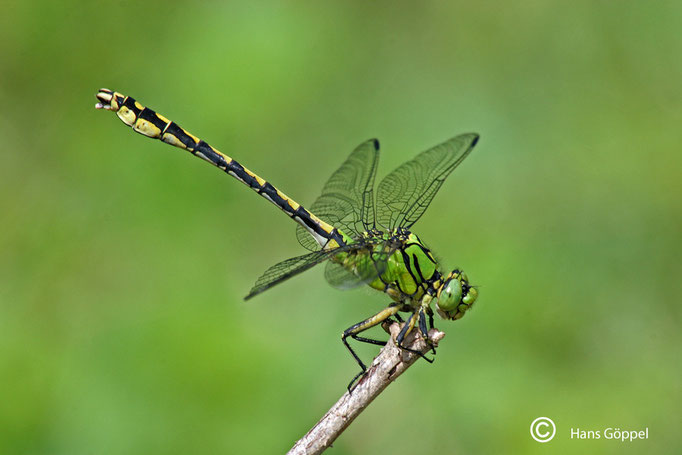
[(386, 367)]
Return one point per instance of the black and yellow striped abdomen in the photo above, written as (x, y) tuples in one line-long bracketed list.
[(148, 123)]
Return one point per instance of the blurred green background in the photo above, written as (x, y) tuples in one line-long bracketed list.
[(123, 262)]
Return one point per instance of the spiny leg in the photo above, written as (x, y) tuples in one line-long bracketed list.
[(407, 328), (360, 327), (423, 330), (422, 324)]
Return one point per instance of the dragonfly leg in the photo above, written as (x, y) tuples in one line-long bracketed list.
[(360, 327), (407, 328), (423, 330)]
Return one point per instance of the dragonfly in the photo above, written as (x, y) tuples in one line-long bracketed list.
[(363, 236)]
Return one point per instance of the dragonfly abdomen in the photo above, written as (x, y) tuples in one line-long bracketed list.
[(148, 123)]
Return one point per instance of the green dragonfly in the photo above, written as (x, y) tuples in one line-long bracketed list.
[(363, 237)]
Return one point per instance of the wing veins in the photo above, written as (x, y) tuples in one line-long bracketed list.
[(347, 199), (404, 195)]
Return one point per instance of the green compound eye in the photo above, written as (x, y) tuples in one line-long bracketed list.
[(450, 296)]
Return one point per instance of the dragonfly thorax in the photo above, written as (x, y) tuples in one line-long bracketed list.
[(406, 269), (407, 272)]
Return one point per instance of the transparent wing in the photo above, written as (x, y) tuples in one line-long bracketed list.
[(404, 194), (347, 199), (293, 266), (366, 267)]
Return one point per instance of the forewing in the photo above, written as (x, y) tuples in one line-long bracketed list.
[(404, 194), (347, 199)]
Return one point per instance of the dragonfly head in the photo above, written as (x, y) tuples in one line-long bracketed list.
[(455, 296)]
